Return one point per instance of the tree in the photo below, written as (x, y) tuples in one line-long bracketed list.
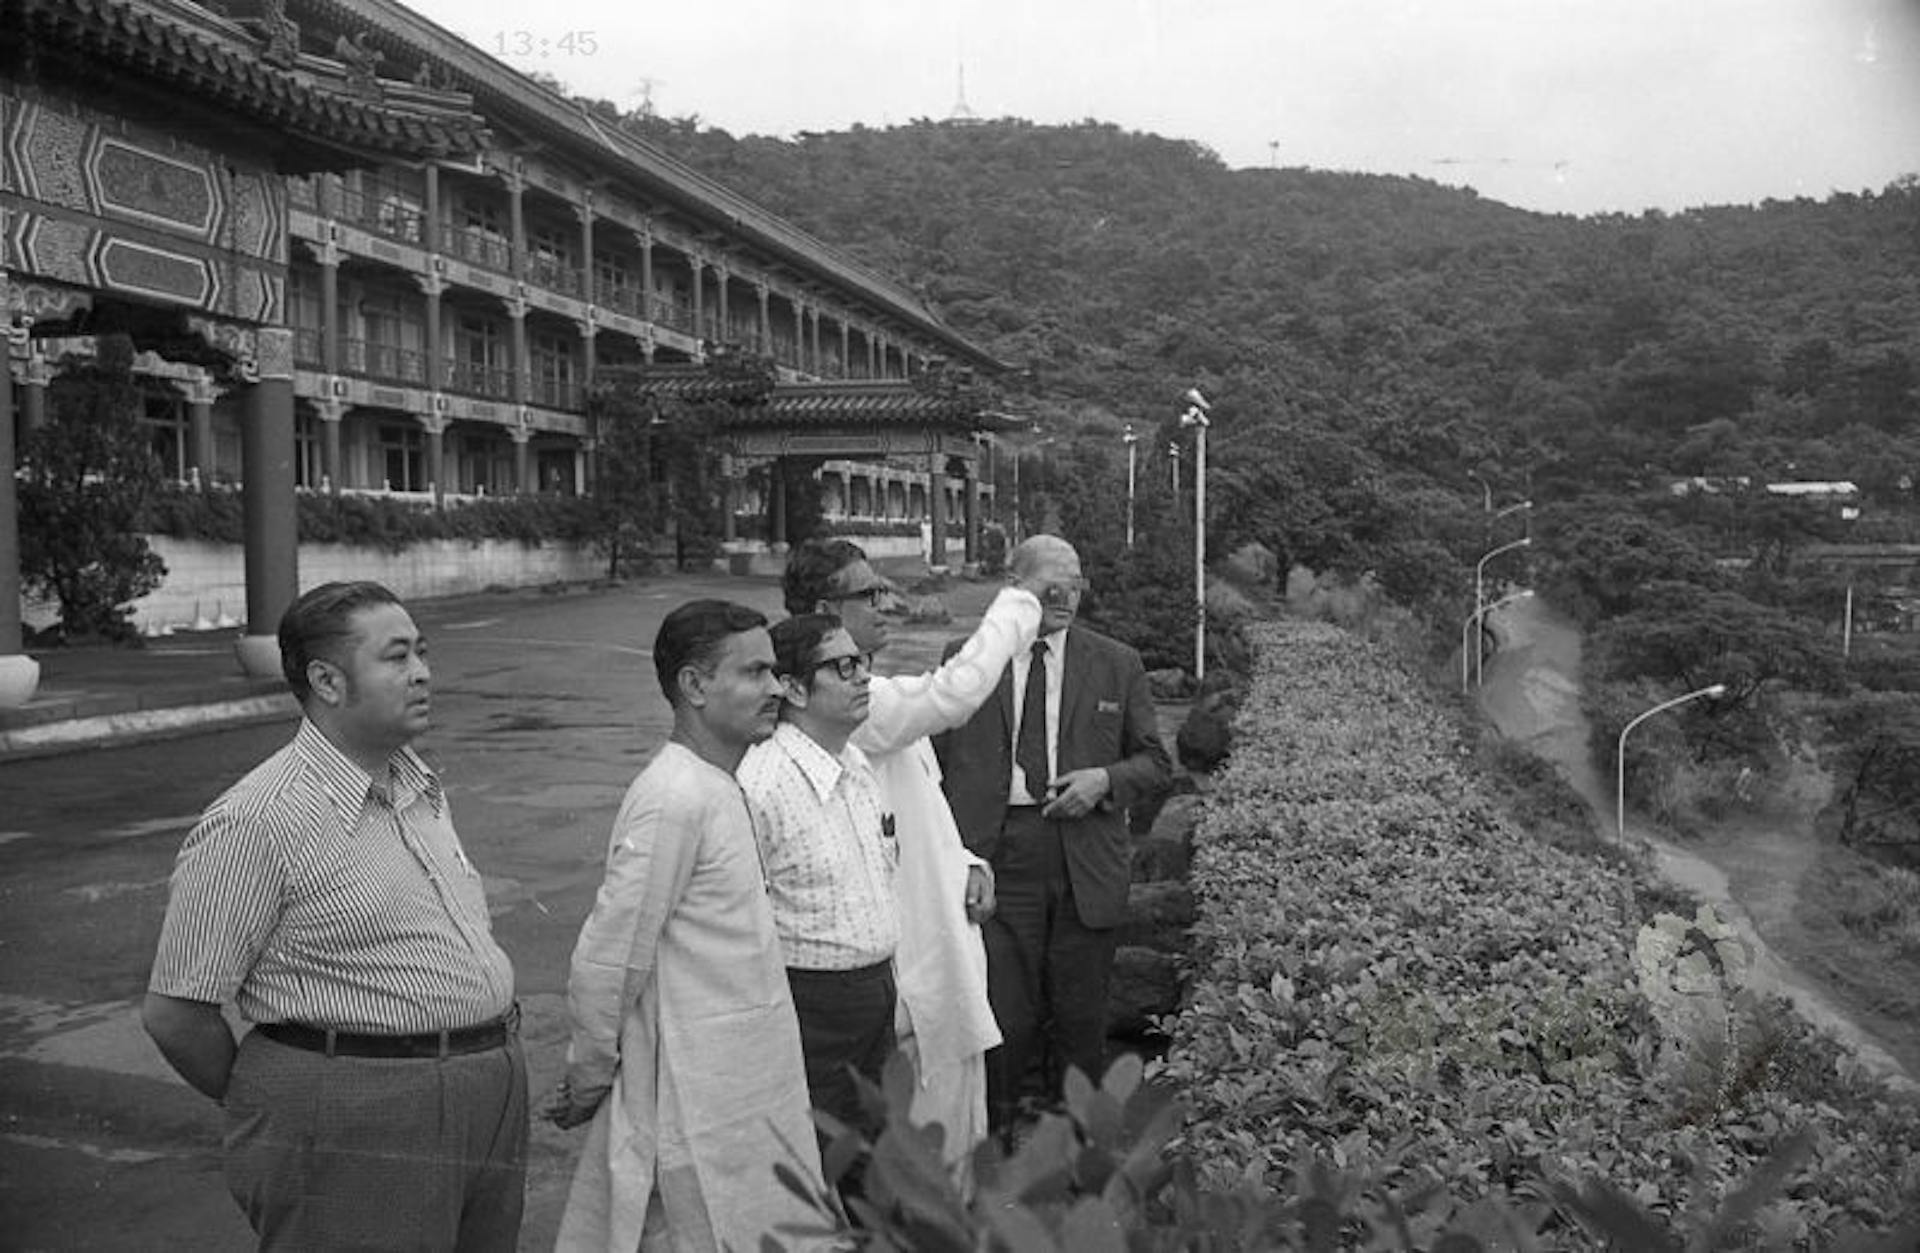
[(1879, 765), (1602, 563), (627, 507), (1695, 636), (88, 474)]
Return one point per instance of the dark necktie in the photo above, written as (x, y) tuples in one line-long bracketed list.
[(1030, 750)]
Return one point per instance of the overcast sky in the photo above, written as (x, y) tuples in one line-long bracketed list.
[(1575, 106)]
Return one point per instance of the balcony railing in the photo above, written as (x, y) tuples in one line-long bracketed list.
[(479, 248), (556, 276), (384, 213), (557, 393), (623, 300), (669, 312), (389, 363), (488, 382)]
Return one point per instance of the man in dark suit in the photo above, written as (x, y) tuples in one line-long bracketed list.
[(1040, 780)]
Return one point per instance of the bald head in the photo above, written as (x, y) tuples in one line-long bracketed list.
[(1050, 565), (1033, 556)]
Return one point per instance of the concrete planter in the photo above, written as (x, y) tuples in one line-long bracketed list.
[(19, 680)]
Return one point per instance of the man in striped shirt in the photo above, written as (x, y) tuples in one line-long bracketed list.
[(380, 1101)]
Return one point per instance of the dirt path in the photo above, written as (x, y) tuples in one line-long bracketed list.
[(1750, 869)]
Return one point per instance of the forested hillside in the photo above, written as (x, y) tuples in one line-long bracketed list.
[(1388, 357), (1372, 343)]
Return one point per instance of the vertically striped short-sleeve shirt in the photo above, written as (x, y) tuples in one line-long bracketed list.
[(311, 892)]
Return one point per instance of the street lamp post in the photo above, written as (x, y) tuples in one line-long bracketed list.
[(1017, 533), (1131, 440), (1479, 587), (1196, 417), (1620, 753), (1469, 628)]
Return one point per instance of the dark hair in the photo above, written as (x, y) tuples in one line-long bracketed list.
[(797, 641), (319, 626), (811, 565), (693, 634)]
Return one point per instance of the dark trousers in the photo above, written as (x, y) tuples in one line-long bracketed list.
[(1047, 972), (846, 1020), (368, 1153)]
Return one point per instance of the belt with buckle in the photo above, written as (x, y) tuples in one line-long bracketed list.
[(428, 1044)]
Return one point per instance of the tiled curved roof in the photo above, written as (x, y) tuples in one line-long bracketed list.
[(221, 63), (761, 403), (692, 383)]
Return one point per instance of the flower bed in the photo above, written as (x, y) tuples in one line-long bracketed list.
[(1390, 977)]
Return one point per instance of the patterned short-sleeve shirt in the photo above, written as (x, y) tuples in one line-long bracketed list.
[(827, 849)]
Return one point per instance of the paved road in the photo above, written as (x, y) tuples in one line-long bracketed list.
[(545, 707), (1533, 695)]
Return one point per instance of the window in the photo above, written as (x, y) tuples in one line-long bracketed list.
[(553, 370), (403, 457), (307, 470), (480, 357), (163, 414), (555, 471)]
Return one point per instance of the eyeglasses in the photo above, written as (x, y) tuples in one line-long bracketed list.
[(874, 595), (1061, 595), (848, 667)]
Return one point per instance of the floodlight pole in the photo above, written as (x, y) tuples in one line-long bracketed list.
[(1196, 417)]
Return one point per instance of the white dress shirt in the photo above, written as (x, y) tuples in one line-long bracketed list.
[(1018, 791)]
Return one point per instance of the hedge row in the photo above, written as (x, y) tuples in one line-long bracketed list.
[(215, 515), (1390, 975)]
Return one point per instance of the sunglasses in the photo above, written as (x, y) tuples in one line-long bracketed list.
[(874, 595), (847, 667)]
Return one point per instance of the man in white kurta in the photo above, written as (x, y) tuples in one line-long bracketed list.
[(940, 966), (678, 999)]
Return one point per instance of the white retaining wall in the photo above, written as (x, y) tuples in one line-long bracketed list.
[(205, 580)]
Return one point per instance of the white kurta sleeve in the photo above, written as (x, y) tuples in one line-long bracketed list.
[(906, 708), (655, 845)]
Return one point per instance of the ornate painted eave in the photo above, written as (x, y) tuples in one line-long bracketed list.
[(688, 383), (325, 108), (804, 405), (934, 401)]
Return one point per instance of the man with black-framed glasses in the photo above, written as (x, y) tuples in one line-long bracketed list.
[(827, 851), (945, 1022)]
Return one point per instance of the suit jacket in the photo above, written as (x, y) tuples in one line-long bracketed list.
[(1107, 719)]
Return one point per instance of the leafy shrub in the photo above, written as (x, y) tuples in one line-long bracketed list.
[(1391, 977), (216, 515), (85, 477)]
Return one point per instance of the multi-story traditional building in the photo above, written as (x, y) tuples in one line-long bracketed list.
[(360, 255)]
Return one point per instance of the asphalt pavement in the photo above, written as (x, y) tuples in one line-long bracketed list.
[(545, 706)]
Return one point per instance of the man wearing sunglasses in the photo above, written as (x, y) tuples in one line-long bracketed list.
[(945, 1023), (828, 854)]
